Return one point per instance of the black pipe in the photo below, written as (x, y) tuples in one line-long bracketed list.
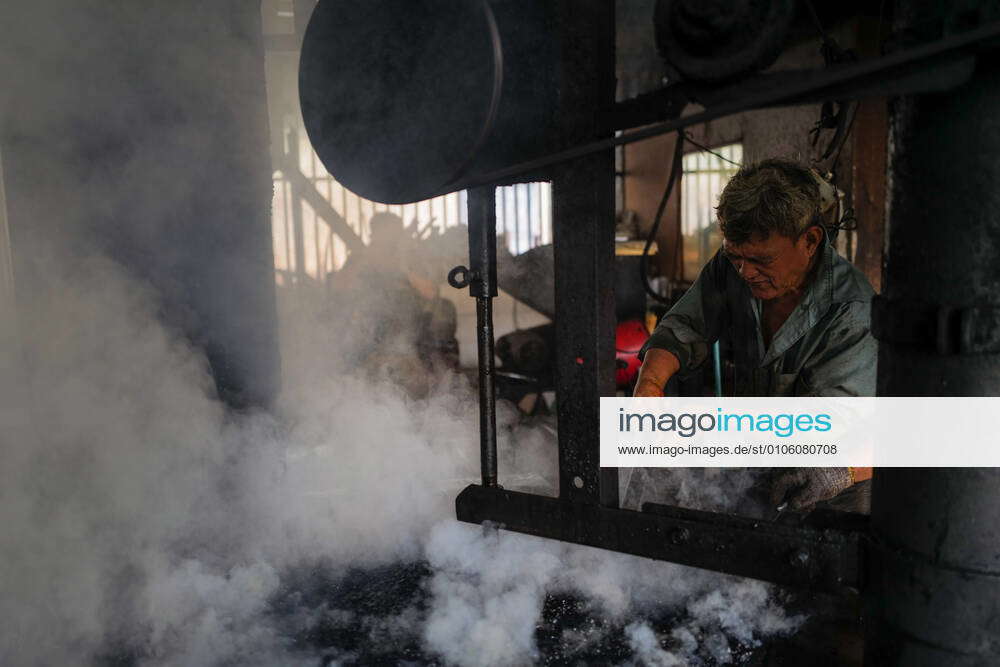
[(934, 583), (402, 99), (483, 286)]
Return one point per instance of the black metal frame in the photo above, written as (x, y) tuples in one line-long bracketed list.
[(824, 558), (827, 558), (583, 218), (935, 67)]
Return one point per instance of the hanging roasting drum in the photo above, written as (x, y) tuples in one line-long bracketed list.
[(403, 98)]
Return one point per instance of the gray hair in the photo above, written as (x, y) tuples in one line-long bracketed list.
[(771, 196)]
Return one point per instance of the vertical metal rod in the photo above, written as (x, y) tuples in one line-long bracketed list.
[(487, 392), (717, 368), (298, 234), (6, 257), (483, 286)]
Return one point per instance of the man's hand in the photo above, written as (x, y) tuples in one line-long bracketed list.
[(802, 488), (657, 367), (647, 390)]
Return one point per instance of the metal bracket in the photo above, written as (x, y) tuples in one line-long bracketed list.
[(824, 557), (467, 276), (948, 329)]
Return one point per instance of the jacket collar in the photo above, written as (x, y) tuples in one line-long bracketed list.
[(818, 297)]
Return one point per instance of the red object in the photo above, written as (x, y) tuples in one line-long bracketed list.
[(630, 336)]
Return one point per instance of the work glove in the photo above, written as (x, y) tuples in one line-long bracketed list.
[(804, 487)]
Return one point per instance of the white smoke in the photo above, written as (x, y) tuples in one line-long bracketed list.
[(488, 590), (146, 523), (141, 518)]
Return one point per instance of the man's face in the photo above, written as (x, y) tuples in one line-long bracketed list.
[(775, 266)]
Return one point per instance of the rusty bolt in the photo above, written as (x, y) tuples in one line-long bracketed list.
[(680, 536), (799, 558)]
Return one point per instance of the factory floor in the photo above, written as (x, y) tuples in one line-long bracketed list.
[(357, 617)]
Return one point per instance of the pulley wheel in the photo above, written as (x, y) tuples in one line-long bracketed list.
[(713, 40)]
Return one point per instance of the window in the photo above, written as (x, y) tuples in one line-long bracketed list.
[(306, 229), (704, 176), (524, 216)]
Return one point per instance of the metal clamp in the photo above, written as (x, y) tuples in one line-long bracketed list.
[(945, 328)]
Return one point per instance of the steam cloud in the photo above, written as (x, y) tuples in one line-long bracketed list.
[(141, 518), (145, 523)]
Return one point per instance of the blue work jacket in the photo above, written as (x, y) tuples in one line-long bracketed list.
[(824, 348)]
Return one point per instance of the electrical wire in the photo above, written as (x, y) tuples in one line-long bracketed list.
[(878, 34), (687, 136), (815, 19), (832, 54), (840, 149), (848, 223), (676, 166)]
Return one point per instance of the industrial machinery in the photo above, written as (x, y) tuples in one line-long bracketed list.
[(472, 94)]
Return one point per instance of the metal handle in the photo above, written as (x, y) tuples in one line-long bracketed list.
[(460, 283)]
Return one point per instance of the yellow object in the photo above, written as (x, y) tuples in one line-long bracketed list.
[(650, 321), (633, 247)]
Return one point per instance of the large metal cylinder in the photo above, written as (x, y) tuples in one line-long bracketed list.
[(713, 40), (404, 99), (934, 594)]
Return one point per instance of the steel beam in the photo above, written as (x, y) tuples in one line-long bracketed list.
[(825, 559), (583, 220)]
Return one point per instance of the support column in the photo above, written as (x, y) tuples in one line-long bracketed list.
[(583, 232), (934, 590)]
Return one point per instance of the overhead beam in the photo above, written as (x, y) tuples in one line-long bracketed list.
[(931, 67)]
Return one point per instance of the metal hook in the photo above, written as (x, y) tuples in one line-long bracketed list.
[(460, 283)]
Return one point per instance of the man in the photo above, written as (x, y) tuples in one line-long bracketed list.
[(403, 331), (795, 313)]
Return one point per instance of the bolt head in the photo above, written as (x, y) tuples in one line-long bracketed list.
[(799, 558)]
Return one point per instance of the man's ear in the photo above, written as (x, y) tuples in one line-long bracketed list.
[(812, 238)]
